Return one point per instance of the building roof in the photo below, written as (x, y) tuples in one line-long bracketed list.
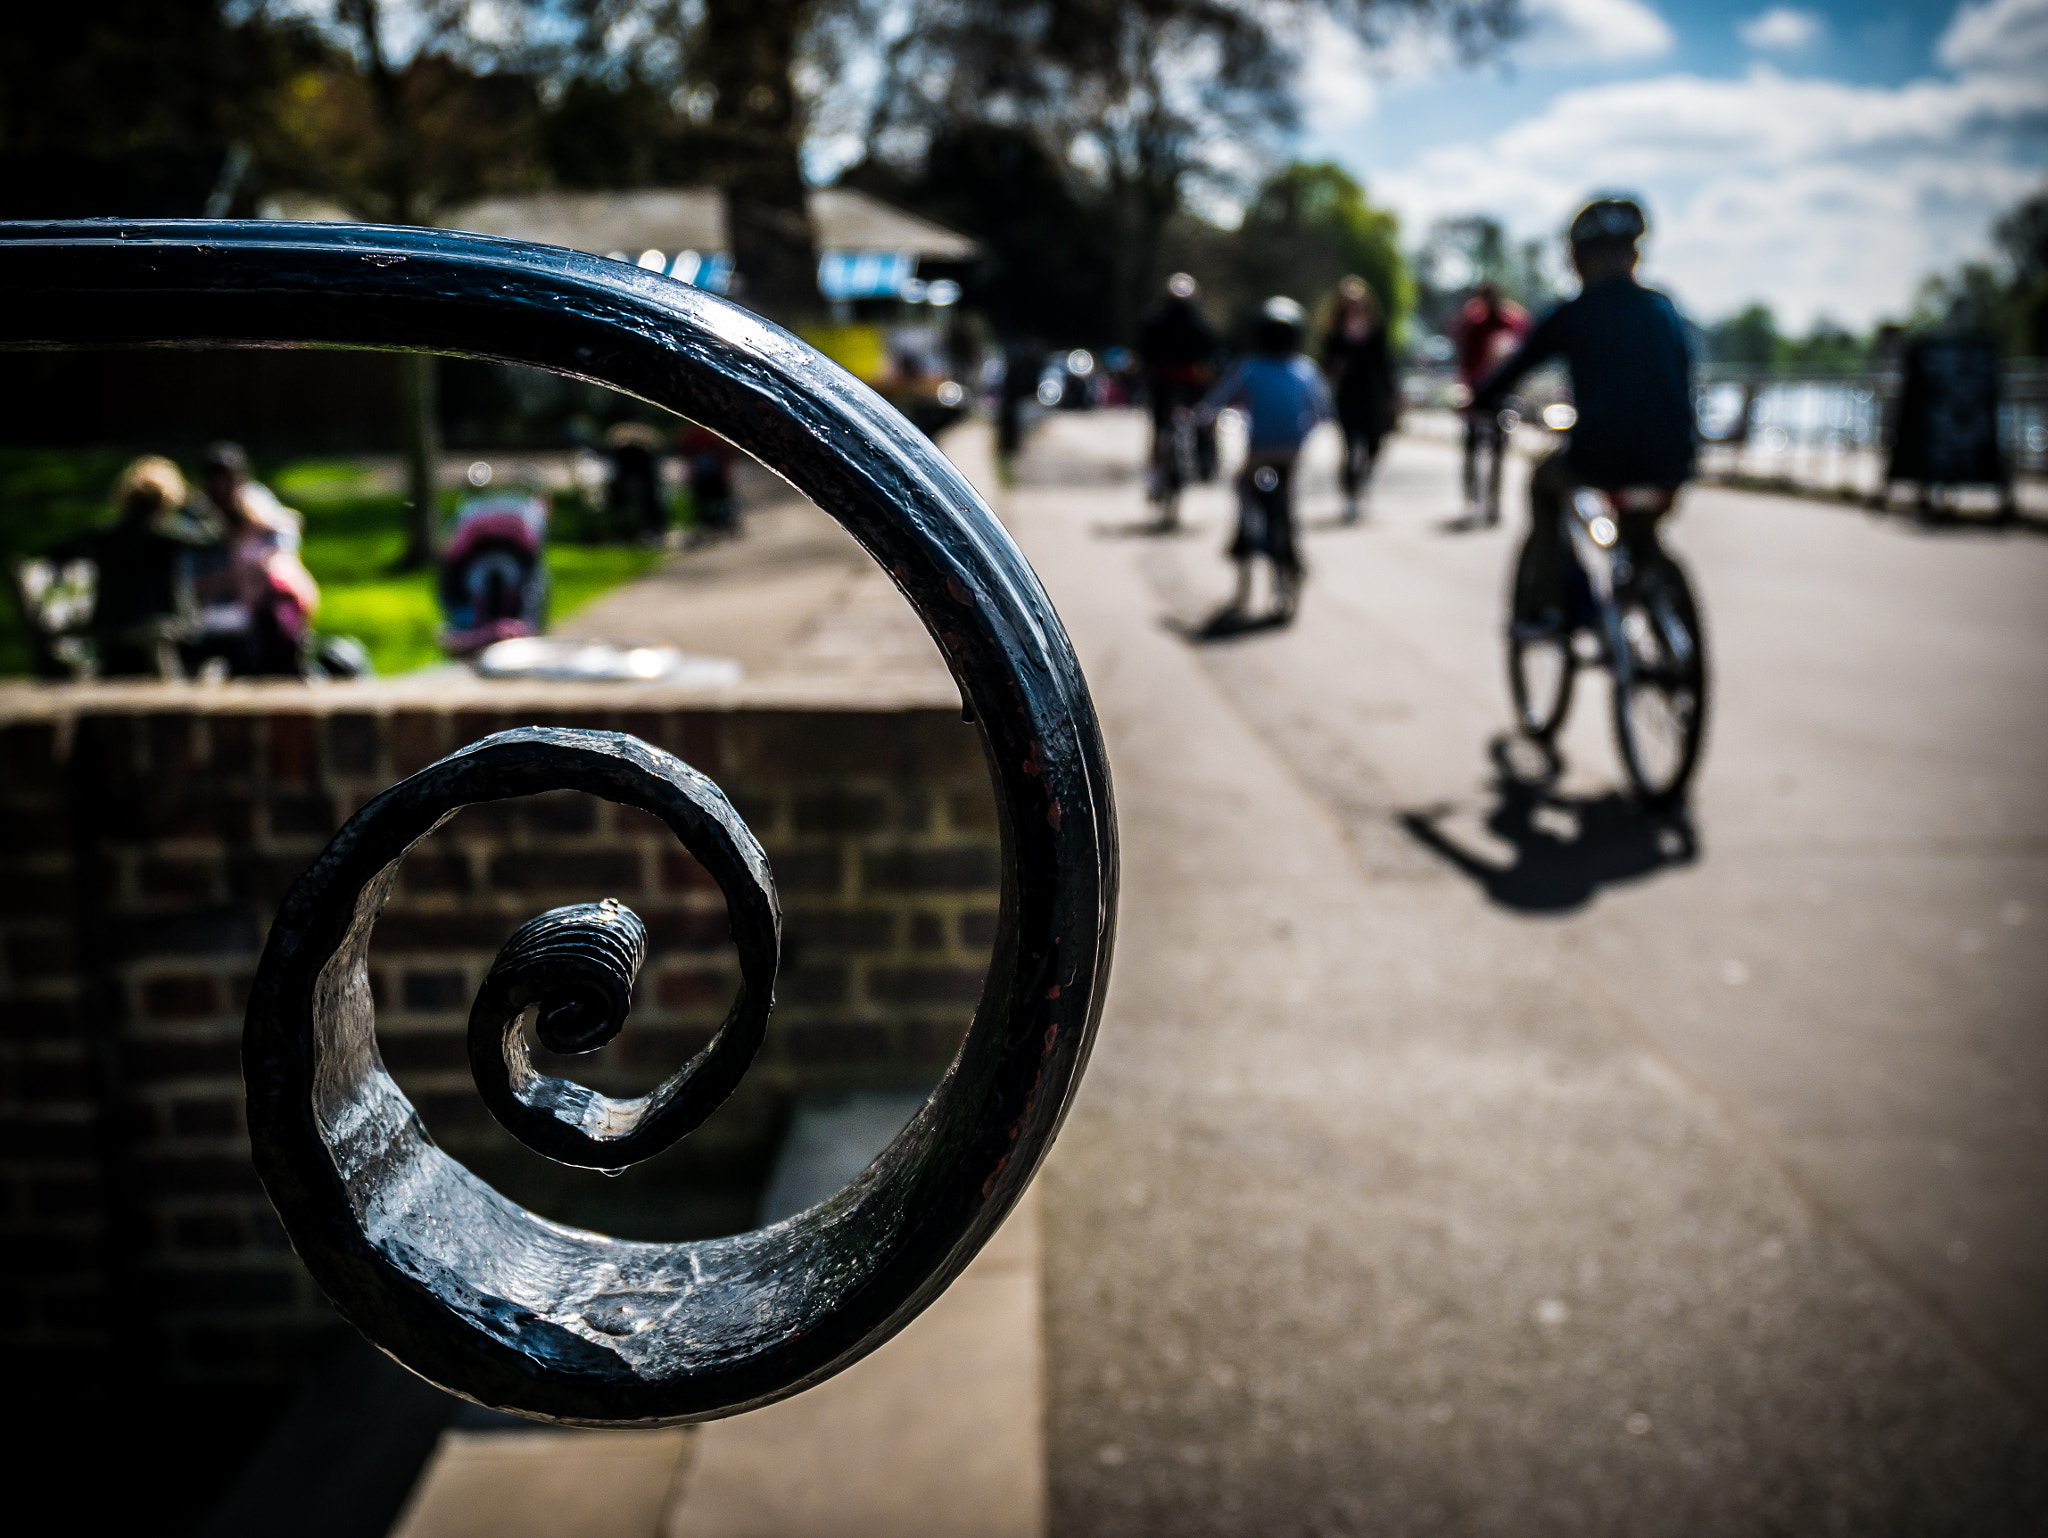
[(693, 219)]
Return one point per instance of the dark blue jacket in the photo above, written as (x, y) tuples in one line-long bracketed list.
[(1631, 372)]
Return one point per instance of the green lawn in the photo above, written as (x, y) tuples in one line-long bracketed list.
[(353, 537)]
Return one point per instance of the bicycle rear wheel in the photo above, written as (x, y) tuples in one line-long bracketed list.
[(1169, 475), (1541, 669), (1660, 684)]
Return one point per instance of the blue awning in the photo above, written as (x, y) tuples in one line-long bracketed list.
[(865, 274)]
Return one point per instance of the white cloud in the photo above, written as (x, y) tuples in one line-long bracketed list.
[(2007, 37), (1781, 29), (1573, 32), (1339, 78), (1819, 196)]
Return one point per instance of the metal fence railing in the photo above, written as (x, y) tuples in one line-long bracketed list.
[(1825, 431)]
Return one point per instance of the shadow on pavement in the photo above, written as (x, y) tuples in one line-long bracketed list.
[(1565, 847), (1467, 522), (1335, 523), (1227, 624), (1145, 528)]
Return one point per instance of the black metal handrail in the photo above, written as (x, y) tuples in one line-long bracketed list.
[(460, 1284)]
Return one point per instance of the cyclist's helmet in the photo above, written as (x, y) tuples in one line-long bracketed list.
[(1282, 323), (1609, 221)]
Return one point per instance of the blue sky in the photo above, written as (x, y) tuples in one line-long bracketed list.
[(1819, 157)]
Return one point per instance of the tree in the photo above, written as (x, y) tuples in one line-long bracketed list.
[(124, 75), (1309, 225), (750, 74), (1827, 348), (1749, 337), (398, 134), (2022, 237), (1158, 103), (747, 59), (1459, 252), (2006, 298), (1047, 265)]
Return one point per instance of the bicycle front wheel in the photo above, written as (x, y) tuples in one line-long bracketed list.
[(1541, 669), (1660, 684)]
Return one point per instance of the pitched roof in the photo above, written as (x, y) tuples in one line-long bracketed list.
[(693, 219)]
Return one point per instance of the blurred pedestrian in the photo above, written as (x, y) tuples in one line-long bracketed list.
[(1178, 349), (1361, 373), (1488, 328), (1016, 399), (258, 600), (225, 477), (144, 608), (1284, 396)]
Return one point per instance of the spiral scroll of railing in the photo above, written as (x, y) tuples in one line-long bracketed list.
[(446, 1274)]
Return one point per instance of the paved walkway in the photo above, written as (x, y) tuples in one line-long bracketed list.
[(1595, 1183), (1462, 1153)]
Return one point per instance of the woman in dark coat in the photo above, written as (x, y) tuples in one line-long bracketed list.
[(1361, 374)]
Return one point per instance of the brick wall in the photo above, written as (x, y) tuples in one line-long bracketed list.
[(141, 855)]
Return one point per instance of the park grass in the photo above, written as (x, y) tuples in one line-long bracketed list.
[(354, 537)]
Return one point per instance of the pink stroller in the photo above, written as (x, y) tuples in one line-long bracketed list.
[(494, 574)]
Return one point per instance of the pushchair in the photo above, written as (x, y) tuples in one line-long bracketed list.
[(493, 572), (714, 510), (634, 503)]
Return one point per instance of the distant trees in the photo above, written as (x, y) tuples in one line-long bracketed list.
[(1156, 110), (1308, 225), (102, 79), (1750, 338), (2006, 297), (2022, 237), (1458, 253)]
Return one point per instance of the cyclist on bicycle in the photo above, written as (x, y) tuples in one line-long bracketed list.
[(1178, 349), (1284, 396), (1631, 369), (1487, 330)]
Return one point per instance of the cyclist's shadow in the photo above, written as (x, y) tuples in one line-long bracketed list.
[(1565, 847)]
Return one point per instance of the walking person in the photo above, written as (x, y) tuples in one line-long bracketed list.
[(1361, 372), (259, 599), (1488, 328), (1284, 396)]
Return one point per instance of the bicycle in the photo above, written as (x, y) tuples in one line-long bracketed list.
[(1486, 436), (1265, 527), (1174, 464), (1633, 605)]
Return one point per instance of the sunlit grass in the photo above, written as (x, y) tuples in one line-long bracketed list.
[(354, 537)]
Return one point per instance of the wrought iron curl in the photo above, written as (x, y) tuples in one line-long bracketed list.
[(460, 1284), (575, 967)]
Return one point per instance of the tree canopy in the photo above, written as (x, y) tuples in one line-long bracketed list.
[(1309, 225)]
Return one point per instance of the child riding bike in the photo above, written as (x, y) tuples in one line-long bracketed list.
[(1284, 396), (1606, 491), (1631, 369)]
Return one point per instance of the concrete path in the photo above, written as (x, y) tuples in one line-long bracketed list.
[(1464, 1155)]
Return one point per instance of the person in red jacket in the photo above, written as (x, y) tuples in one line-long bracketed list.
[(1488, 328)]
